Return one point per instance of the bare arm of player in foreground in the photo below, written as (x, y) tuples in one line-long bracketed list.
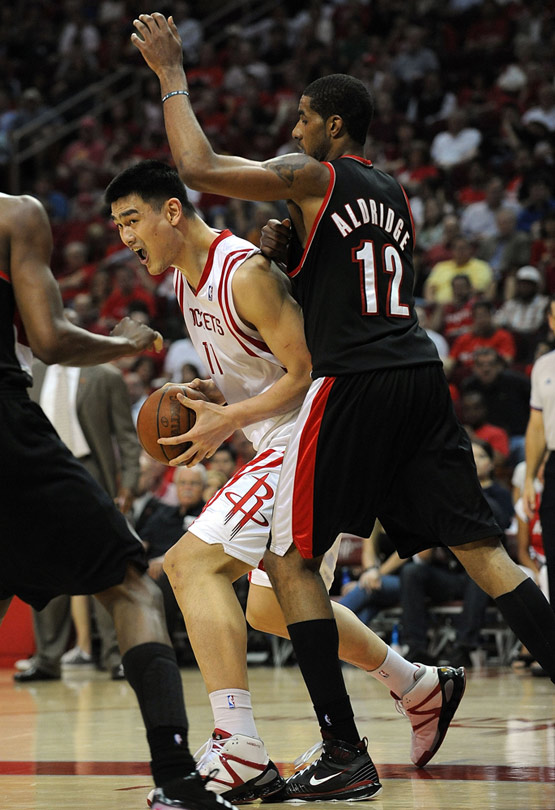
[(293, 177), (52, 338), (262, 301)]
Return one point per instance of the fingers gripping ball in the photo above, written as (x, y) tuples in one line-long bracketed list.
[(162, 416)]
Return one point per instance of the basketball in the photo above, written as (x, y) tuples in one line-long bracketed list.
[(162, 416)]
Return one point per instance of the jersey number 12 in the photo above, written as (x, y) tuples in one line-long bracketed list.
[(392, 263)]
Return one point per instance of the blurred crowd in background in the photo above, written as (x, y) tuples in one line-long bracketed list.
[(464, 95)]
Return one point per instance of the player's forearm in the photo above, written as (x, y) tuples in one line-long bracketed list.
[(283, 396), (198, 165), (189, 145), (392, 563), (72, 346)]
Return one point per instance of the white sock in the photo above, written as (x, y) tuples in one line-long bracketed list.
[(232, 710), (396, 673)]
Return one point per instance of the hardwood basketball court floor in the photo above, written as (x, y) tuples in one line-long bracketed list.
[(80, 743)]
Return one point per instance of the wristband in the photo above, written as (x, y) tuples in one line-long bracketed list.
[(175, 93)]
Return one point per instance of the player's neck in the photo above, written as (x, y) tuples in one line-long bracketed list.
[(195, 250), (342, 148)]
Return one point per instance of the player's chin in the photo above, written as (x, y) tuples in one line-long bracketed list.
[(155, 269)]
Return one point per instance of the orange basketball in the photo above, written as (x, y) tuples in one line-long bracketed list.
[(162, 416)]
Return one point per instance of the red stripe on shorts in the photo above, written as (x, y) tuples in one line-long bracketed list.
[(303, 491)]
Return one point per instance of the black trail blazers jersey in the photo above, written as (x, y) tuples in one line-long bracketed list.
[(355, 277), (15, 357)]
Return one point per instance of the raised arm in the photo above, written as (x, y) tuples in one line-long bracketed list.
[(52, 338), (290, 177)]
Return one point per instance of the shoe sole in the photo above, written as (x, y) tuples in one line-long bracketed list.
[(250, 791), (196, 803), (27, 677), (447, 712), (333, 797)]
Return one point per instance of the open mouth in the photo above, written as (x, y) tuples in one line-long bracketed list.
[(143, 255)]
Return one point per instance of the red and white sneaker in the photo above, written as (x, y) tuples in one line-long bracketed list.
[(430, 705), (239, 767)]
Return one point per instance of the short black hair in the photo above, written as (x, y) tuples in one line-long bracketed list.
[(339, 94), (153, 181), (486, 446)]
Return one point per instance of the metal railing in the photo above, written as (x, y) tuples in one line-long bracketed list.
[(245, 16), (52, 126), (34, 138)]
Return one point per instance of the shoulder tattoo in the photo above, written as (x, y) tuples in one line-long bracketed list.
[(287, 169)]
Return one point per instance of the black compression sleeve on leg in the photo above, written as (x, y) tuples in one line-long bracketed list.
[(530, 616), (316, 645), (152, 671)]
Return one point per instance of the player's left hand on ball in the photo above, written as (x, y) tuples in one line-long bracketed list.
[(212, 427)]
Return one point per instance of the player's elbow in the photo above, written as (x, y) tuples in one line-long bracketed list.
[(303, 378), (50, 345), (48, 354), (201, 175), (45, 348), (193, 174)]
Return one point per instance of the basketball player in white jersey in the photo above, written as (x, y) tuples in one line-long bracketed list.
[(249, 332)]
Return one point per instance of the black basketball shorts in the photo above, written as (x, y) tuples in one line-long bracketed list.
[(384, 444), (60, 533)]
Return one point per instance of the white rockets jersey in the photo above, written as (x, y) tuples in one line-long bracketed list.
[(237, 358)]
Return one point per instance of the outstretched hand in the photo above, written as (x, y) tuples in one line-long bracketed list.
[(159, 42)]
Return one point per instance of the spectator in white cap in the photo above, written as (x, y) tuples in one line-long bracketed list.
[(524, 313)]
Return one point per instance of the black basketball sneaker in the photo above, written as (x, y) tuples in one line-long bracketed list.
[(343, 772)]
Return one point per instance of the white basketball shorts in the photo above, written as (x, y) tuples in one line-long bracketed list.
[(239, 516)]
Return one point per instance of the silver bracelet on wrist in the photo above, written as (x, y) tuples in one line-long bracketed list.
[(175, 93)]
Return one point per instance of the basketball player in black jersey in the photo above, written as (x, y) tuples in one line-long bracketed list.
[(74, 540), (377, 435)]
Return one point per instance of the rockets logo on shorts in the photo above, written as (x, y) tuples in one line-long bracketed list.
[(249, 504)]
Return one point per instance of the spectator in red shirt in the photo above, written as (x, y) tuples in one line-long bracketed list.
[(455, 319), (483, 333), (127, 291), (474, 414)]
